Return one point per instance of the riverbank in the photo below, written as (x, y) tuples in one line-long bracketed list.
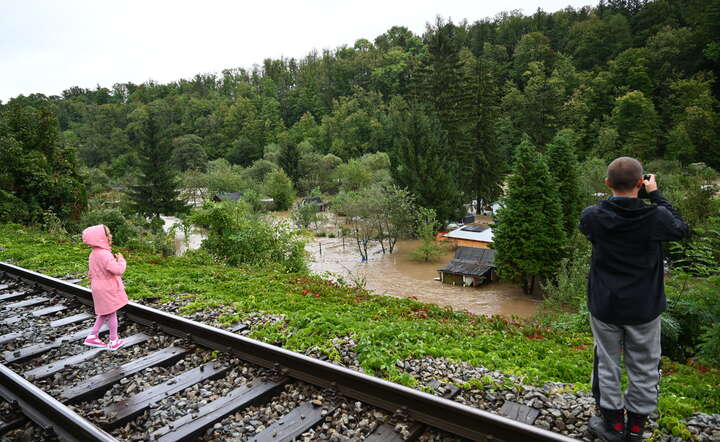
[(389, 335), (393, 274), (398, 275)]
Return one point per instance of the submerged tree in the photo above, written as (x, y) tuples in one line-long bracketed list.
[(429, 250), (528, 232)]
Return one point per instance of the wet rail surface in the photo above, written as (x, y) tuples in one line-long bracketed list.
[(177, 379)]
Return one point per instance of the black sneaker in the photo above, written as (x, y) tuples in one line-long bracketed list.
[(609, 426), (635, 427)]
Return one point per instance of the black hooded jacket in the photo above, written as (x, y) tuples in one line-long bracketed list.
[(625, 285)]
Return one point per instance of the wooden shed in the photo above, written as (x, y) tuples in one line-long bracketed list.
[(470, 267)]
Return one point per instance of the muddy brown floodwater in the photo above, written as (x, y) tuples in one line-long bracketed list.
[(398, 275)]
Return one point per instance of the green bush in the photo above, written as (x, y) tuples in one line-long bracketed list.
[(240, 237), (12, 208), (122, 229), (710, 345), (278, 186), (692, 314), (305, 214), (569, 289)]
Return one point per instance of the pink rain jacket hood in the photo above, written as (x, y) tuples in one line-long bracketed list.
[(104, 272)]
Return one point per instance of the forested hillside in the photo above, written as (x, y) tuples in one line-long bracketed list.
[(627, 77)]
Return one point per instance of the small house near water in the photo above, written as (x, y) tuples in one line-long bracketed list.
[(471, 235), (321, 205), (470, 267)]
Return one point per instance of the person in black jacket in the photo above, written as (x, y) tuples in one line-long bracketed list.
[(626, 296)]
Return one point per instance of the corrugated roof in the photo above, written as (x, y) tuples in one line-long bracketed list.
[(470, 261), (462, 233)]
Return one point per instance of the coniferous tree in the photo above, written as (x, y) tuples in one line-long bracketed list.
[(563, 165), (440, 84), (483, 166), (157, 192), (528, 233), (419, 160)]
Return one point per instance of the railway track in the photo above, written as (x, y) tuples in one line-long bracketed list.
[(178, 380)]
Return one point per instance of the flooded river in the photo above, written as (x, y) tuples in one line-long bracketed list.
[(398, 275), (181, 245)]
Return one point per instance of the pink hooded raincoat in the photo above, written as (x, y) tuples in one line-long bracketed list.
[(104, 272)]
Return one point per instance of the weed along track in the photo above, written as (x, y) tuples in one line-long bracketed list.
[(177, 379)]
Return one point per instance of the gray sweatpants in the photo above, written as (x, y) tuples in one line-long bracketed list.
[(640, 346)]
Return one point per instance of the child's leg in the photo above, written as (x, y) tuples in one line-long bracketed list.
[(113, 324), (98, 323)]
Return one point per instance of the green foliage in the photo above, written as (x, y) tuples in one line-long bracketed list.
[(419, 164), (528, 232), (305, 214), (157, 192), (316, 312), (561, 157), (239, 237), (482, 167), (380, 212), (709, 352), (123, 230), (355, 126), (278, 186), (636, 122), (188, 153), (569, 289), (37, 172), (536, 109), (693, 304), (259, 170), (429, 250)]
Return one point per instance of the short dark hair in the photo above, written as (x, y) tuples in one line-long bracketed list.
[(624, 172)]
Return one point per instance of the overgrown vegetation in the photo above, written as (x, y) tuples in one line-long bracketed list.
[(387, 329), (238, 236), (693, 282), (447, 108)]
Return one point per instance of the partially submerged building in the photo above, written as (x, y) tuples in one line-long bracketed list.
[(321, 205), (471, 235), (470, 267)]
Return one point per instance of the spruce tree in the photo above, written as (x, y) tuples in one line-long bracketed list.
[(563, 166), (528, 232), (482, 167), (157, 192), (420, 162), (439, 84)]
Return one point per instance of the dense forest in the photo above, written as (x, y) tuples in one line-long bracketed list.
[(628, 77)]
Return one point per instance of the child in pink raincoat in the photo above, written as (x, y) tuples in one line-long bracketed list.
[(108, 291)]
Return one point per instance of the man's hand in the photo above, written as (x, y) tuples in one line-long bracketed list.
[(118, 256), (650, 185)]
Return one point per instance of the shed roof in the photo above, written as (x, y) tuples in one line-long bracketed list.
[(470, 261), (472, 232)]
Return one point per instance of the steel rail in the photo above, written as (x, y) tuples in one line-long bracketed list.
[(435, 411), (46, 411)]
